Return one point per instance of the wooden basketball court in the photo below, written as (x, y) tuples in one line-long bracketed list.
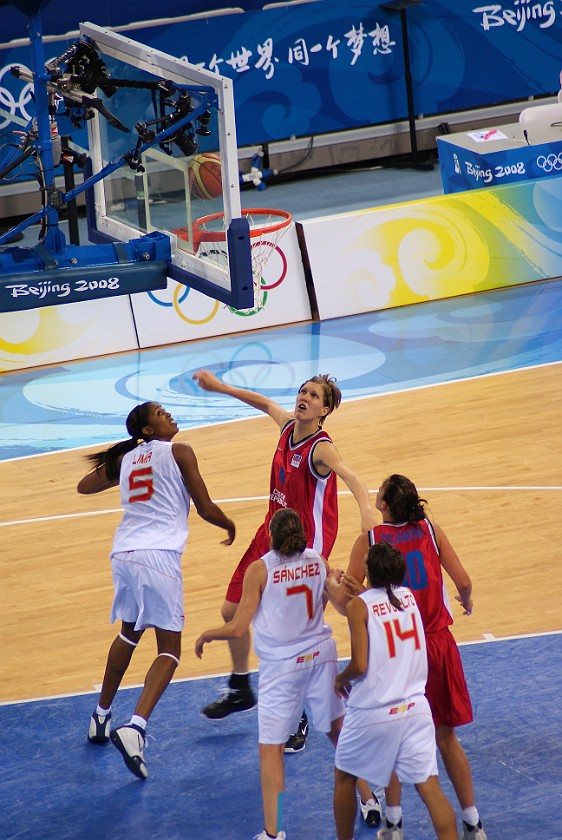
[(485, 452)]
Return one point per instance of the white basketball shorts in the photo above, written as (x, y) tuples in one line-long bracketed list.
[(148, 589), (286, 686), (400, 737)]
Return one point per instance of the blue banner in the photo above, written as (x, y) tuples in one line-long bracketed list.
[(463, 169), (308, 69)]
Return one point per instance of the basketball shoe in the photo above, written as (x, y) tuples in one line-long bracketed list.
[(391, 832), (98, 733), (297, 741), (371, 811), (130, 741), (473, 832), (233, 700)]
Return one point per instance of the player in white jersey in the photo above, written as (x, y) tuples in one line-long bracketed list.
[(284, 594), (388, 725), (157, 480)]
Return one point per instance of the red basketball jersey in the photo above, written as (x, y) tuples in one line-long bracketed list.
[(417, 544), (294, 483)]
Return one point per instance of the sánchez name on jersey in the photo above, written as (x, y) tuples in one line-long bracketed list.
[(298, 573)]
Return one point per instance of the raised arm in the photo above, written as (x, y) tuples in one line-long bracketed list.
[(450, 561), (197, 489), (209, 382), (96, 481), (252, 588), (326, 457)]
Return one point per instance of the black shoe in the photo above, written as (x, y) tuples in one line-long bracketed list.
[(297, 741), (233, 700)]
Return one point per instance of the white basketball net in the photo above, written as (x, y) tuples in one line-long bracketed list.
[(267, 227)]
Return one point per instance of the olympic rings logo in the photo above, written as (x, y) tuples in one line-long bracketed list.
[(550, 163), (8, 101), (276, 271)]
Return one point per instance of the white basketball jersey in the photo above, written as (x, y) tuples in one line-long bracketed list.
[(290, 618), (154, 499), (397, 664)]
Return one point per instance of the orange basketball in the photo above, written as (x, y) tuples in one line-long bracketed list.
[(205, 175)]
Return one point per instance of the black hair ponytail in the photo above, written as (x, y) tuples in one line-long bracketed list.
[(111, 458), (385, 569)]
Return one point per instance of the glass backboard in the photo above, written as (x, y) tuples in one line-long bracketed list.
[(189, 173)]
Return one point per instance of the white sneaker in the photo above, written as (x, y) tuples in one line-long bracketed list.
[(473, 832), (98, 732), (265, 836), (391, 832), (371, 811), (130, 740)]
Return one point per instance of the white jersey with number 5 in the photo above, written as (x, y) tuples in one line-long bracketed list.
[(397, 664), (290, 618), (154, 498)]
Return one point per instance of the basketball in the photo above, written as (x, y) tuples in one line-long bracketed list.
[(205, 175)]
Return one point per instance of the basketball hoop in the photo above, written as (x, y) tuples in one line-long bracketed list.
[(267, 227)]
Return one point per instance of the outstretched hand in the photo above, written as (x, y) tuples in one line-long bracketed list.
[(207, 380)]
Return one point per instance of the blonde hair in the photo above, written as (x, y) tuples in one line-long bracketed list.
[(330, 391)]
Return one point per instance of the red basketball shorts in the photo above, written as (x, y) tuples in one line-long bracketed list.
[(446, 688), (257, 548)]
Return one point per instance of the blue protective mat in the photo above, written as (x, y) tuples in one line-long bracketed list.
[(204, 778)]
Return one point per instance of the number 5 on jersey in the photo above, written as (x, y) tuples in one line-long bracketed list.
[(141, 485)]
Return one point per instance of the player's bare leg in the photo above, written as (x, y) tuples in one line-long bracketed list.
[(238, 697), (118, 660), (456, 764), (160, 672), (439, 807), (345, 804), (239, 648), (130, 738), (363, 787), (272, 784)]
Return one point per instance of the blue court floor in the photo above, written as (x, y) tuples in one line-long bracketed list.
[(85, 403), (204, 778)]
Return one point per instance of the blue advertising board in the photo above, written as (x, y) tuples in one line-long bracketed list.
[(311, 68), (473, 160)]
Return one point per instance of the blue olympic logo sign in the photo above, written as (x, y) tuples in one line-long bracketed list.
[(550, 163), (14, 105)]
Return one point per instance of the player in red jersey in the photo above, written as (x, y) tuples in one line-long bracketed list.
[(303, 477), (427, 550)]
